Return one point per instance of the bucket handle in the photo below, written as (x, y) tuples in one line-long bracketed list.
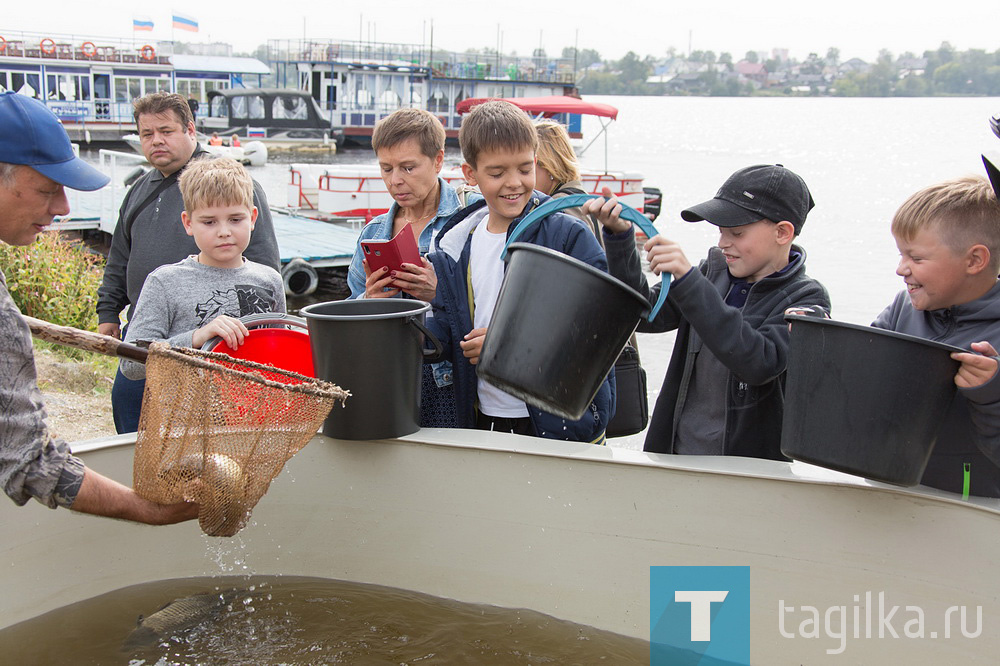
[(430, 355), (260, 320), (574, 200)]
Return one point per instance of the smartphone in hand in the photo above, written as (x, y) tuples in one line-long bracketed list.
[(401, 249)]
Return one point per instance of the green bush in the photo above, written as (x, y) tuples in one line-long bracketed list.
[(54, 279)]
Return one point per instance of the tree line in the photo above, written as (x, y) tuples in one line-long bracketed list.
[(943, 71)]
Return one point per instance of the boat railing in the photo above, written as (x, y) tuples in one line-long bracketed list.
[(91, 110), (117, 165), (442, 64), (319, 50), (63, 47)]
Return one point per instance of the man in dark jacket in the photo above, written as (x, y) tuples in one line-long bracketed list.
[(724, 389), (149, 233)]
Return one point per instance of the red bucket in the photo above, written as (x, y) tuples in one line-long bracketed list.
[(283, 348)]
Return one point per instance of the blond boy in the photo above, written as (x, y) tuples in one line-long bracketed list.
[(203, 296), (498, 143), (948, 237)]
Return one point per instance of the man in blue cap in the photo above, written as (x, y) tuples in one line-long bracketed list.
[(36, 163)]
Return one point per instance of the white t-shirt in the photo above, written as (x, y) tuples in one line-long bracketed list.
[(486, 268)]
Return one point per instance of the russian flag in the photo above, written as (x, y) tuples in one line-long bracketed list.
[(185, 22), (142, 23)]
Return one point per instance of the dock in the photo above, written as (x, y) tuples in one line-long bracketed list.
[(301, 239), (320, 244)]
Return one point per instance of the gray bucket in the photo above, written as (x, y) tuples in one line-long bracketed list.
[(374, 349)]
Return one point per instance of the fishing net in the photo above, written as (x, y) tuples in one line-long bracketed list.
[(217, 431)]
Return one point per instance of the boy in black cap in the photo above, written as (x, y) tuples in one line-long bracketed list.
[(723, 391)]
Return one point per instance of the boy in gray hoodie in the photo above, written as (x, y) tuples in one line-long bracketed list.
[(203, 296), (948, 237)]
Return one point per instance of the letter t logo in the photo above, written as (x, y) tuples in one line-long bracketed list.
[(701, 610)]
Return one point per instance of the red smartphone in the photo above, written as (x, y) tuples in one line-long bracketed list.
[(402, 249)]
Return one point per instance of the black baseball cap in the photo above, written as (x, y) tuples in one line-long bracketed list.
[(754, 193)]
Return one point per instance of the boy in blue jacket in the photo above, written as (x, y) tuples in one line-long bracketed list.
[(498, 143)]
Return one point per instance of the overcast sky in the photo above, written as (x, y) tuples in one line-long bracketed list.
[(858, 28)]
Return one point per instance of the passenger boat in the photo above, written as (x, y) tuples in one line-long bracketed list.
[(334, 192), (570, 530), (90, 82), (359, 83), (271, 115)]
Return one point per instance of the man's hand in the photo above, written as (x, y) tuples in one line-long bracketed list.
[(114, 330), (472, 344), (232, 331), (607, 212), (978, 368), (666, 256), (101, 496)]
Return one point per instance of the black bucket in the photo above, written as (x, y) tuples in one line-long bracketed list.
[(374, 349), (558, 326), (864, 400)]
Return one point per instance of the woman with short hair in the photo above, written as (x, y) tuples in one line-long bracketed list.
[(409, 147)]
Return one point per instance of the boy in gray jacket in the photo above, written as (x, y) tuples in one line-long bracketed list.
[(948, 237), (203, 296)]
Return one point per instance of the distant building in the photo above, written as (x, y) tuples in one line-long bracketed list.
[(911, 66), (752, 71), (854, 65)]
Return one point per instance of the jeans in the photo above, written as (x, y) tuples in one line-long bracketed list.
[(126, 402)]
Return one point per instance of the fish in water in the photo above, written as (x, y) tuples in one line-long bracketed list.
[(177, 617)]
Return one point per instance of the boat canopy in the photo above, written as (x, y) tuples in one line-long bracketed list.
[(200, 63), (547, 106)]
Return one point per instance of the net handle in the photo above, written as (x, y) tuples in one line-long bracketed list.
[(85, 340)]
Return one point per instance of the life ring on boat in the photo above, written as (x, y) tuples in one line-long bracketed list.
[(147, 52), (3, 44), (48, 45), (88, 49)]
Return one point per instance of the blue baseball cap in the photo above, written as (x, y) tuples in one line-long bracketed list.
[(31, 135)]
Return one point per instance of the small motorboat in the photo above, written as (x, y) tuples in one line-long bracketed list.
[(277, 116), (252, 153), (337, 192)]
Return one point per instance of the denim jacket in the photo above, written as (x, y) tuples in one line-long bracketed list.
[(380, 228)]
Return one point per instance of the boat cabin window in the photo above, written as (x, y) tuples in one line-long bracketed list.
[(219, 108), (127, 89), (289, 108), (157, 85), (248, 106), (26, 84), (438, 102)]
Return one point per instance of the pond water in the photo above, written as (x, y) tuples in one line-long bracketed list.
[(300, 620)]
